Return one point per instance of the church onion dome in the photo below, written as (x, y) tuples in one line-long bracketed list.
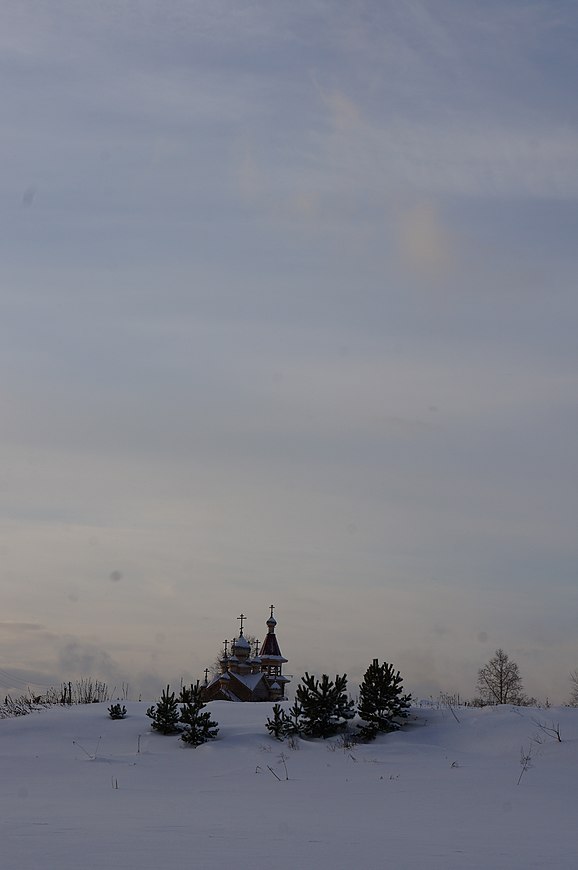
[(270, 650), (242, 648), (242, 643), (249, 671)]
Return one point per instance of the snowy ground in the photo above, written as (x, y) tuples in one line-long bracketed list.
[(77, 795)]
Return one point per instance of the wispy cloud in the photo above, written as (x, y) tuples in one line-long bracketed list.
[(287, 310)]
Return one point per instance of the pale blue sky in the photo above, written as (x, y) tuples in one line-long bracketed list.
[(288, 314)]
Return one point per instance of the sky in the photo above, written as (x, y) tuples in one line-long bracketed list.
[(288, 316)]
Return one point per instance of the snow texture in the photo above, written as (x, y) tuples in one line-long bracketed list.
[(77, 793)]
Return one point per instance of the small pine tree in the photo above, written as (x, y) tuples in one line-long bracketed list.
[(277, 726), (381, 701), (293, 723), (165, 715), (186, 694), (199, 727), (323, 705), (116, 711)]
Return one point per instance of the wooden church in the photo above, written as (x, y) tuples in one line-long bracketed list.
[(249, 675)]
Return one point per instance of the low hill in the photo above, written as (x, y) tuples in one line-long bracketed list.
[(80, 792)]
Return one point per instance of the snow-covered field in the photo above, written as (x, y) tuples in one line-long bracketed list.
[(77, 794)]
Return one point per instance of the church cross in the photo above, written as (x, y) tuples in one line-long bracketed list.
[(272, 609), (226, 645), (256, 647), (242, 618), (206, 676)]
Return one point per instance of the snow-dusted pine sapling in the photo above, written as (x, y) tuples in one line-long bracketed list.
[(199, 727), (323, 705), (381, 700), (293, 721), (117, 711), (186, 694), (166, 714), (277, 726), (286, 724)]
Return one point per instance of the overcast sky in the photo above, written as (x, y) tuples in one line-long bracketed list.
[(288, 315)]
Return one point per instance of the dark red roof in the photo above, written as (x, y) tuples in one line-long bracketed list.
[(270, 646)]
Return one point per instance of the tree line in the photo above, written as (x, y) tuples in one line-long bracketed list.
[(321, 708)]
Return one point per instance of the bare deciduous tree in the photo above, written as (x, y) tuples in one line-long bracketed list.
[(499, 681), (574, 689)]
